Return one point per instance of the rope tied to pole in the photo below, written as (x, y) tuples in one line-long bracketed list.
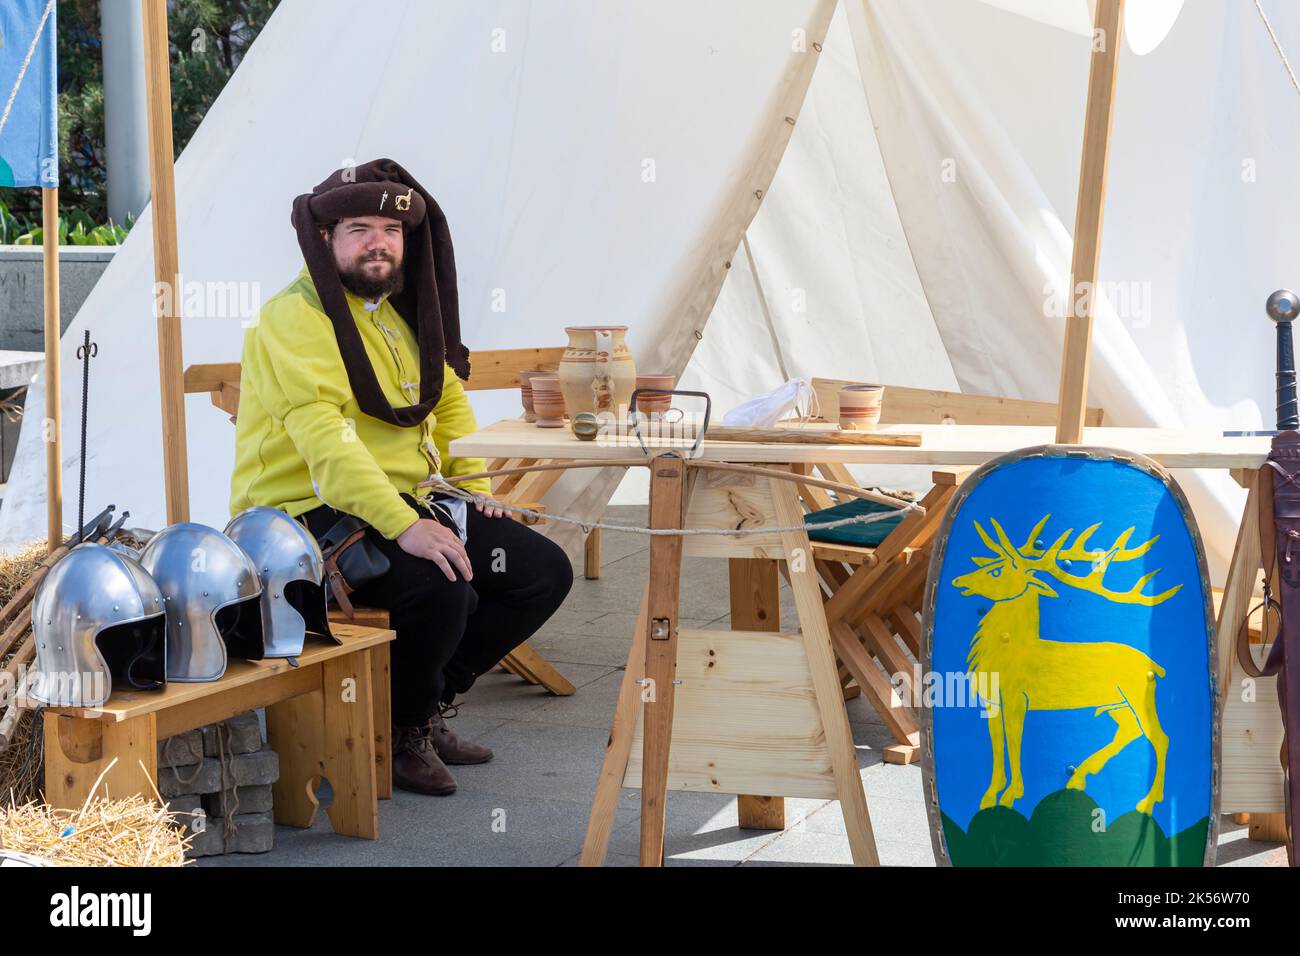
[(906, 507)]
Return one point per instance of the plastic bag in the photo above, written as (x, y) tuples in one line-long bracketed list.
[(766, 410)]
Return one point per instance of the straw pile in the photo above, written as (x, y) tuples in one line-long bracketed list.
[(104, 832), (21, 763)]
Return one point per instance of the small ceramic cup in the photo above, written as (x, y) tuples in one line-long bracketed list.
[(654, 404), (526, 393), (860, 406), (548, 401)]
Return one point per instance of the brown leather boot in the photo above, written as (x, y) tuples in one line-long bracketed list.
[(416, 764), (452, 749)]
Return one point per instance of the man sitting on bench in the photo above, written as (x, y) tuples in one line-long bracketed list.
[(349, 400)]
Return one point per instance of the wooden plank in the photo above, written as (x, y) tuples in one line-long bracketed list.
[(761, 813), (1103, 75), (900, 754), (591, 555), (604, 805), (746, 718), (77, 750), (381, 689), (846, 553), (226, 398), (199, 711), (926, 406), (500, 368), (879, 639), (211, 376), (349, 734), (941, 445), (124, 705), (814, 497), (53, 376), (754, 589), (1251, 734), (794, 436), (738, 501), (295, 730), (541, 670), (533, 487), (1268, 827), (904, 619), (826, 686), (667, 508), (162, 196), (879, 692)]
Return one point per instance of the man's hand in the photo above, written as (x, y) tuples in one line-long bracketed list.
[(490, 509), (429, 539)]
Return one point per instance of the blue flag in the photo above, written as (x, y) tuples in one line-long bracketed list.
[(29, 151)]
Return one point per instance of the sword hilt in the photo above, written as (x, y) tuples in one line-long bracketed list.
[(1283, 307)]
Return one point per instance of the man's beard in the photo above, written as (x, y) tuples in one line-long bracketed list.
[(362, 285)]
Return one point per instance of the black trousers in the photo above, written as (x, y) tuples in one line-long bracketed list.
[(450, 632)]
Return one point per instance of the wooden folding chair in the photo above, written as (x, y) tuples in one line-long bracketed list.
[(492, 370), (874, 595)]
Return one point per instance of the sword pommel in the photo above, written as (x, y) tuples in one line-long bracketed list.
[(1283, 306)]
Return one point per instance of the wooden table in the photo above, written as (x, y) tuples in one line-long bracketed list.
[(328, 716), (730, 749)]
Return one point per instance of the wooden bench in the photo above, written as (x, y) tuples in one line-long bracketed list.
[(327, 717), (498, 369)]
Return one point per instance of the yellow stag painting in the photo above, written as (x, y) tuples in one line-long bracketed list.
[(1033, 673)]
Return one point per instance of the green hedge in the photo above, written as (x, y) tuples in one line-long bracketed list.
[(76, 228)]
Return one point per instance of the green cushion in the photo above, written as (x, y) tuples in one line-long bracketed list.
[(867, 535)]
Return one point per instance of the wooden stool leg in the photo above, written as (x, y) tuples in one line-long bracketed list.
[(610, 782), (538, 670), (761, 813), (77, 749), (1268, 827), (667, 506), (756, 606), (381, 690), (826, 684), (591, 555), (515, 666), (349, 721), (295, 731)]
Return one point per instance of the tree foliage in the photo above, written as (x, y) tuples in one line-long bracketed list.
[(208, 39)]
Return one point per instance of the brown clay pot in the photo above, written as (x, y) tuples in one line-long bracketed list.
[(654, 404), (526, 393), (548, 401), (860, 406)]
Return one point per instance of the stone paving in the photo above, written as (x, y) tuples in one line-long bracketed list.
[(528, 806)]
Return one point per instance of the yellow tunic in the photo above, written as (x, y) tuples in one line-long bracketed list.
[(301, 439)]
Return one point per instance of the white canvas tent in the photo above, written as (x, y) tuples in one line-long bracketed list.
[(601, 162)]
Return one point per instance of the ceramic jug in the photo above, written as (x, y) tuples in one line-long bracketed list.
[(596, 371)]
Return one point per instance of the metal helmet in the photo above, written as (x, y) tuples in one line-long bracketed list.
[(212, 598), (292, 573), (98, 623)]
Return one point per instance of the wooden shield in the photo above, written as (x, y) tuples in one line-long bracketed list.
[(1069, 702)]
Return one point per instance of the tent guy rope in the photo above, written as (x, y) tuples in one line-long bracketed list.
[(1277, 45)]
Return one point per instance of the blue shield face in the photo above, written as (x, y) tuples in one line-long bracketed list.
[(1069, 668)]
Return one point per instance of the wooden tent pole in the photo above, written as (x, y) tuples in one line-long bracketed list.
[(53, 377), (1081, 294), (162, 178)]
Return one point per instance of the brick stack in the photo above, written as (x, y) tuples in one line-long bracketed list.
[(190, 778)]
